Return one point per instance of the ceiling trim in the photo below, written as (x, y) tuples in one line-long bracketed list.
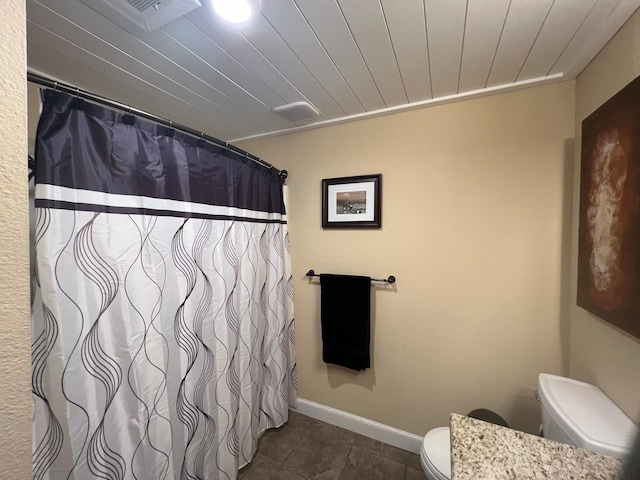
[(533, 82)]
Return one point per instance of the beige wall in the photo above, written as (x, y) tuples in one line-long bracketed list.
[(15, 386), (600, 353), (474, 200)]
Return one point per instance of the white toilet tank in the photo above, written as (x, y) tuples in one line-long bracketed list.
[(579, 414)]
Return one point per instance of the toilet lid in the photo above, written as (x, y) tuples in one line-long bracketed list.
[(436, 447)]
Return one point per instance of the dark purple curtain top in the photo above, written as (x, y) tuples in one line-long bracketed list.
[(84, 146)]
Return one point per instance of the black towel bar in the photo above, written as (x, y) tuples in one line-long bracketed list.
[(389, 279)]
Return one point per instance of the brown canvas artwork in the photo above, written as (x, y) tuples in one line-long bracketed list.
[(609, 231)]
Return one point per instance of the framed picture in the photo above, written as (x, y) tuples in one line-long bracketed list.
[(609, 229), (352, 202)]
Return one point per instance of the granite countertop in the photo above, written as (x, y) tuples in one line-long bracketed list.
[(481, 450)]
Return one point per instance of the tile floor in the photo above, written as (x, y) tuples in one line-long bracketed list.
[(307, 449)]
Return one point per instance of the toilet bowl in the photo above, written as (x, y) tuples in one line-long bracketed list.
[(435, 454), (573, 412)]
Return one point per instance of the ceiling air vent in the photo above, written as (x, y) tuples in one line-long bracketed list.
[(296, 111), (137, 16)]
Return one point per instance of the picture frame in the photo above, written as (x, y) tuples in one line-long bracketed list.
[(352, 202)]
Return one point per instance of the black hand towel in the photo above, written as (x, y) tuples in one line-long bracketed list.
[(345, 308)]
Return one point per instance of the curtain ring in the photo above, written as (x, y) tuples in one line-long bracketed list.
[(55, 86), (77, 92)]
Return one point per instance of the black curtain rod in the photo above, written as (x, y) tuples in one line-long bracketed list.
[(55, 85), (389, 279)]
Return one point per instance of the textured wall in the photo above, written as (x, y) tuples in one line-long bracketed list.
[(600, 353), (474, 214), (15, 360)]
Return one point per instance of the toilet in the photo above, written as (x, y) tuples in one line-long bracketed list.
[(580, 414), (573, 412), (435, 454)]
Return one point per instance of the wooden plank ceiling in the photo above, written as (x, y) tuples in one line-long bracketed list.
[(347, 58)]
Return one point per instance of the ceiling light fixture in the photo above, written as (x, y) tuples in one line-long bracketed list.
[(236, 11)]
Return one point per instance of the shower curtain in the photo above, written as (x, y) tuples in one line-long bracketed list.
[(162, 319)]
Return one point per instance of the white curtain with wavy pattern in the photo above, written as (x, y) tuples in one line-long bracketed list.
[(163, 332)]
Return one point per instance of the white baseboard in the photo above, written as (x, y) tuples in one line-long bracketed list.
[(363, 426)]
